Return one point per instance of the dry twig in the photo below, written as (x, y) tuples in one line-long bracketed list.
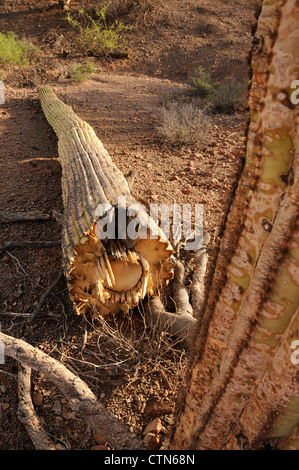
[(45, 296), (31, 243), (6, 218), (27, 415)]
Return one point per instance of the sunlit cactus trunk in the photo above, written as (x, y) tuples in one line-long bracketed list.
[(109, 270), (243, 386)]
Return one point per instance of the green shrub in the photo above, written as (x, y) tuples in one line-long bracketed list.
[(14, 51), (221, 97), (203, 83), (228, 96), (95, 35), (81, 72)]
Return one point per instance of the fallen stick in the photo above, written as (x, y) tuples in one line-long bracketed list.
[(180, 292), (14, 314), (6, 218), (44, 297), (197, 287), (179, 326), (27, 415), (83, 402), (28, 244)]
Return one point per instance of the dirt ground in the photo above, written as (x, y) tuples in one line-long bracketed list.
[(136, 379)]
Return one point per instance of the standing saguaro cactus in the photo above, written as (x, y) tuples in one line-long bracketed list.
[(106, 272), (243, 388)]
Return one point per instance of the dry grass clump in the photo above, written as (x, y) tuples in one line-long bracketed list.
[(141, 12), (185, 124), (123, 352)]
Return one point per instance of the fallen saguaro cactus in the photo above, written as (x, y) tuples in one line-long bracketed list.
[(114, 253)]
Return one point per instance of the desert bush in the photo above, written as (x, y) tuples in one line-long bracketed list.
[(203, 83), (14, 51), (228, 96), (185, 124), (221, 97), (81, 72), (142, 12), (96, 36), (134, 12)]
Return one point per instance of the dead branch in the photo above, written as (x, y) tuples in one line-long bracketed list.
[(14, 314), (83, 402), (6, 218), (27, 415), (45, 296), (180, 292), (197, 285), (130, 177), (181, 323), (31, 243), (176, 325)]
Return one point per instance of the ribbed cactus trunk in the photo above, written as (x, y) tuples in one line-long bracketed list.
[(243, 387), (108, 269)]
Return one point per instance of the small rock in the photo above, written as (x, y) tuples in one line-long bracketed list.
[(57, 407), (155, 409), (5, 406), (67, 414), (154, 426), (152, 441), (37, 398), (99, 439), (186, 190), (99, 447), (237, 152)]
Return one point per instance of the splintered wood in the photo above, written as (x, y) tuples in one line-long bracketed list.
[(105, 274)]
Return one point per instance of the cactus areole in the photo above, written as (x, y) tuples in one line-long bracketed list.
[(109, 270)]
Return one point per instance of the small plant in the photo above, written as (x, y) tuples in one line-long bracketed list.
[(220, 97), (14, 51), (228, 96), (81, 72), (203, 83), (185, 124), (95, 35)]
